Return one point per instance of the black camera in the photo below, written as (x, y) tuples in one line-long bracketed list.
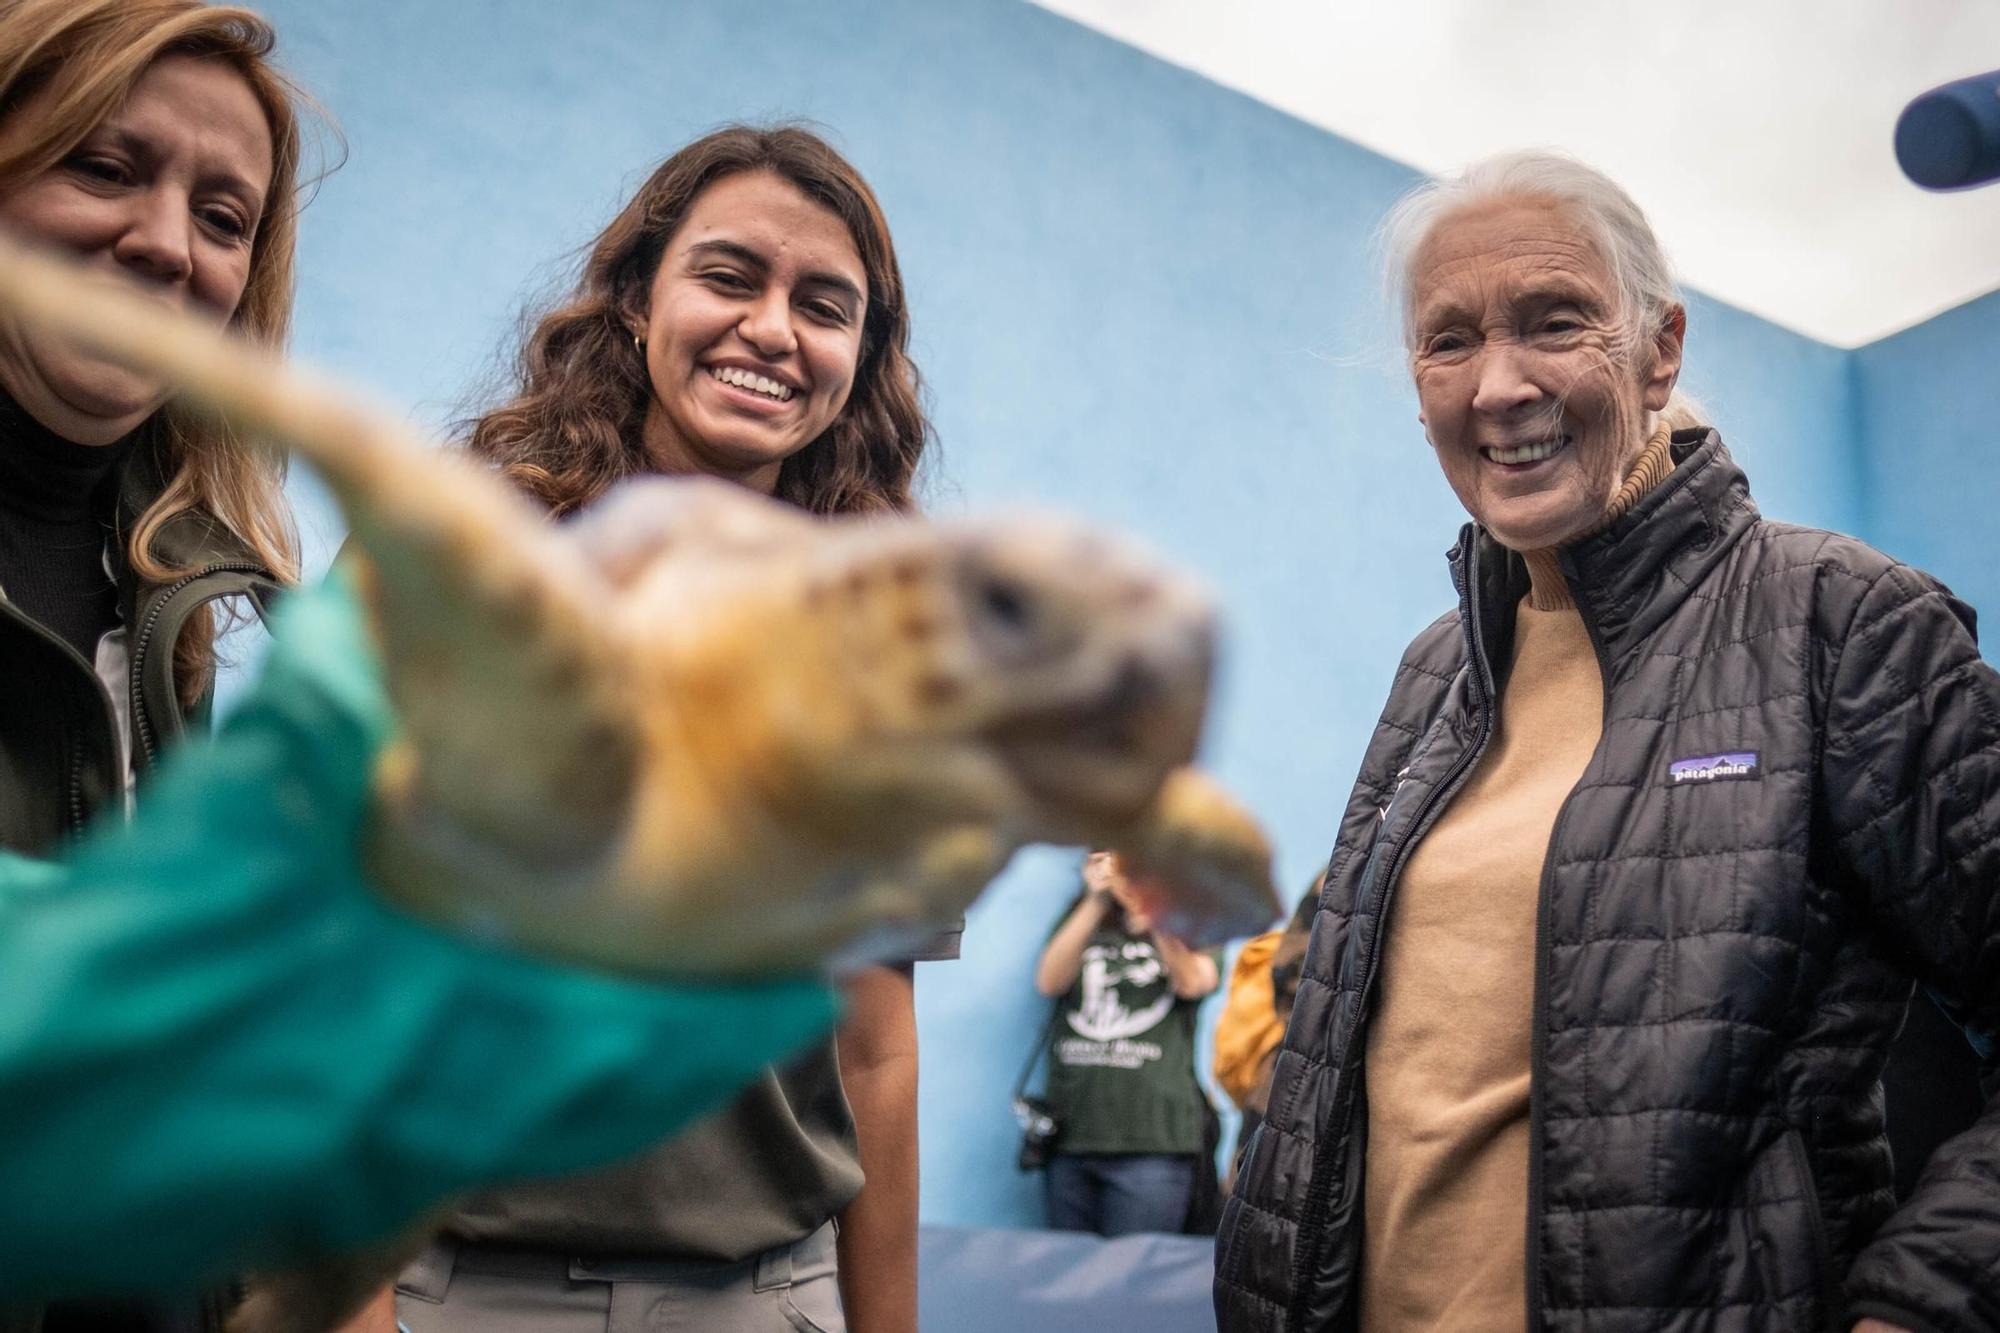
[(1039, 1128)]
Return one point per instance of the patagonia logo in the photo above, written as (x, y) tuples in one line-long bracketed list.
[(1736, 766)]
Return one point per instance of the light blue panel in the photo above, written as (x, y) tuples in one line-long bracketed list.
[(1785, 404), (1930, 398), (1137, 296)]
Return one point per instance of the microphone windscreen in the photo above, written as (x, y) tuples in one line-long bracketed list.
[(1949, 138)]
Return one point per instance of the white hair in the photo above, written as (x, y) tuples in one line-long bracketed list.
[(1642, 278)]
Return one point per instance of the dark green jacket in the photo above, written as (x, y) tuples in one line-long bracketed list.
[(59, 752)]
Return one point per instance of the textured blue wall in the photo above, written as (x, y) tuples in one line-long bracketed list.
[(1136, 295), (1929, 403)]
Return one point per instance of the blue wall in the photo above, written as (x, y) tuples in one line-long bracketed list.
[(1136, 295), (1929, 402)]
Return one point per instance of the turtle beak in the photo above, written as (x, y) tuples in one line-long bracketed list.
[(1126, 649)]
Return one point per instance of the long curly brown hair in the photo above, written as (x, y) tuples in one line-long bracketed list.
[(573, 425)]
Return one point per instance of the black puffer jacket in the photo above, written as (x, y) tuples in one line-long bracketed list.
[(1725, 953)]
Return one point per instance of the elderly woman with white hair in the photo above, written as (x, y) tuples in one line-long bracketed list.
[(1658, 832)]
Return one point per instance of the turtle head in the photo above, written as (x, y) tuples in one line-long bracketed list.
[(885, 676), (1032, 674)]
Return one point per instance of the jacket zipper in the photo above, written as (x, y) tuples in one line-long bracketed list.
[(142, 722), (1320, 1190), (75, 764), (1539, 1034), (1824, 1284)]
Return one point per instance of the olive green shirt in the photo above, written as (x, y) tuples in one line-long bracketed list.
[(773, 1167)]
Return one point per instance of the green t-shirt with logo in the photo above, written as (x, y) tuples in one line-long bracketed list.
[(1121, 1054)]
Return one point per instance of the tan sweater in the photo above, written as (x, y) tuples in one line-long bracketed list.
[(1444, 1244)]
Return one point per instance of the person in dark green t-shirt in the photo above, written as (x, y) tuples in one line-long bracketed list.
[(1121, 1063)]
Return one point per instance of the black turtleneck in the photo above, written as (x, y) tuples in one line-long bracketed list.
[(57, 505)]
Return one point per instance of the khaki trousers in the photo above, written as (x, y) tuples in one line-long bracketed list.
[(457, 1288)]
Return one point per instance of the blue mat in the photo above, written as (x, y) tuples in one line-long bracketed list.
[(990, 1281)]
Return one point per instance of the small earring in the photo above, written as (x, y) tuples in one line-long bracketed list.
[(638, 342)]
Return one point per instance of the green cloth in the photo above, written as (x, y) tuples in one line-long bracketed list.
[(776, 1165), (1121, 1056), (218, 1051)]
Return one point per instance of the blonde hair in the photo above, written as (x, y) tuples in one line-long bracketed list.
[(1642, 277), (79, 60)]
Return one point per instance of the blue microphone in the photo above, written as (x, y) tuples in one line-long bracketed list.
[(1949, 138)]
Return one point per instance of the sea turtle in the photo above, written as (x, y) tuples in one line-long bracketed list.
[(701, 733), (698, 733)]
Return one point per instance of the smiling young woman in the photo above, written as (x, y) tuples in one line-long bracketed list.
[(748, 253), (753, 331), (742, 317)]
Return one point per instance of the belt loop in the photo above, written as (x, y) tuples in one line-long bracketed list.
[(823, 1245), (774, 1269), (428, 1276)]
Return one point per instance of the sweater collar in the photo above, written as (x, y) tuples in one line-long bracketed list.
[(55, 478), (47, 477), (1638, 570), (1548, 590)]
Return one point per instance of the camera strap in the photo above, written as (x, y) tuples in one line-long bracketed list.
[(1035, 1051)]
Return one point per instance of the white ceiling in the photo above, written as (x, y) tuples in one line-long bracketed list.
[(1755, 133)]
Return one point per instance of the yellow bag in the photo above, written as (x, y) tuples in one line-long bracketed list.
[(1249, 1029)]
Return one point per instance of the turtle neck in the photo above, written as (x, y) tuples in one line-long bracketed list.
[(1549, 590), (56, 513)]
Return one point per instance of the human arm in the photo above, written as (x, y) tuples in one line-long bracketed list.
[(378, 1316), (1910, 777), (877, 1046), (1192, 975), (260, 1061), (1062, 957)]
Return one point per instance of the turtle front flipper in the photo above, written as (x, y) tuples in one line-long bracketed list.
[(1200, 862), (494, 650)]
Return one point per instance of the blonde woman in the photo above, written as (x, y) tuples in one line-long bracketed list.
[(151, 140)]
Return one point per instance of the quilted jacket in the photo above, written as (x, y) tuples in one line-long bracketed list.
[(1792, 818), (60, 757)]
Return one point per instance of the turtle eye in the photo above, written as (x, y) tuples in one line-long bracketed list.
[(1022, 605), (1005, 604), (1004, 612)]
